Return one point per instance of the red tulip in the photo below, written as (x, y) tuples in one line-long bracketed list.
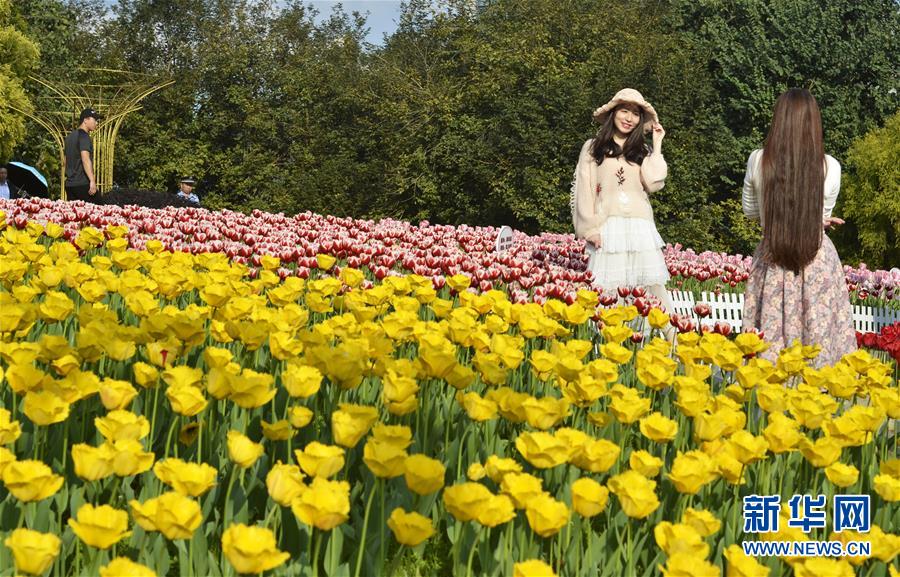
[(702, 310)]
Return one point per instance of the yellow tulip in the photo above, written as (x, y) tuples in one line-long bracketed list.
[(629, 407), (589, 497), (887, 487), (704, 522), (645, 463), (741, 565), (324, 504), (546, 412), (188, 478), (6, 457), (477, 408), (423, 474), (183, 376), (186, 400), (687, 565), (532, 568), (496, 511), (410, 529), (542, 450), (658, 428), (466, 500), (636, 494), (596, 456), (252, 549), (45, 408), (277, 431), (30, 480), (56, 306), (251, 389), (118, 425), (351, 423), (284, 483), (521, 487), (680, 538), (546, 516), (318, 460), (92, 463), (122, 566), (782, 433), (890, 467), (510, 403), (385, 460), (747, 448), (100, 527), (691, 471), (299, 417), (822, 566), (842, 475), (242, 451), (129, 457), (823, 452), (33, 552), (616, 353), (475, 472), (173, 514), (9, 430)]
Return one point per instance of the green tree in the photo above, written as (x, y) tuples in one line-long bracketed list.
[(64, 35), (844, 51), (870, 196), (484, 113), (18, 57)]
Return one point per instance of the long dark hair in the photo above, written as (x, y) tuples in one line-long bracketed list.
[(634, 149), (793, 179)]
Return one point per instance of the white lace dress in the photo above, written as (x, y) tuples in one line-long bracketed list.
[(611, 200)]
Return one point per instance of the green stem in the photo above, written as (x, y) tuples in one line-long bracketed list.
[(381, 526), (472, 552), (362, 540), (169, 436), (228, 508), (316, 554)]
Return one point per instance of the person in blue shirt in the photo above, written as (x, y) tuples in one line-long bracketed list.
[(186, 190)]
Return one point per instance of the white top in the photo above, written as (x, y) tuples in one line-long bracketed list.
[(753, 185), (4, 191)]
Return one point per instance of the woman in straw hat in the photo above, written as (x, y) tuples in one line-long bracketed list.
[(610, 207), (796, 289)]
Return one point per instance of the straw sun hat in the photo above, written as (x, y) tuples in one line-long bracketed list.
[(628, 95)]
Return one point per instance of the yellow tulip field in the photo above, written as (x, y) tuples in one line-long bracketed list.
[(167, 413)]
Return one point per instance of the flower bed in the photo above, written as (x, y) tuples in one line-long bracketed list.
[(535, 268), (198, 416)]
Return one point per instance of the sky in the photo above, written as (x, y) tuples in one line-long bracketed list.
[(382, 18)]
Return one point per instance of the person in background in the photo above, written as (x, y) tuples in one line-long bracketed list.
[(796, 289), (186, 190), (81, 183), (9, 190)]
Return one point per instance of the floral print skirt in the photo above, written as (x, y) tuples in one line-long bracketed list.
[(813, 306)]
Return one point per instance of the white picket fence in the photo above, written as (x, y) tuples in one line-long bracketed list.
[(728, 307)]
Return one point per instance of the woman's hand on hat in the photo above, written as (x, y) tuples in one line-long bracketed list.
[(595, 240), (658, 133)]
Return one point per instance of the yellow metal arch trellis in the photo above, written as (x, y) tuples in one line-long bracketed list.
[(114, 96)]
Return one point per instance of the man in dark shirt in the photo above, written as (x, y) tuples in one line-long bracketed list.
[(80, 181)]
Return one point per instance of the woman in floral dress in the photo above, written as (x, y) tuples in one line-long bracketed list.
[(796, 289)]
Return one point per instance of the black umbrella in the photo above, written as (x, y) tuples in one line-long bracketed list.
[(27, 178)]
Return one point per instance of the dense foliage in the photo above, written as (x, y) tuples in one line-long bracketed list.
[(471, 114)]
